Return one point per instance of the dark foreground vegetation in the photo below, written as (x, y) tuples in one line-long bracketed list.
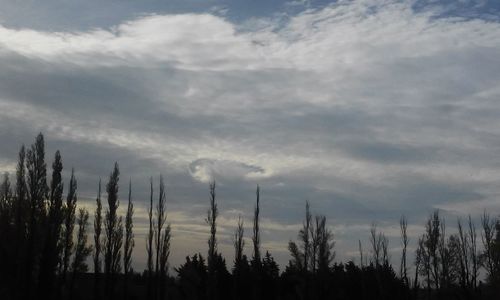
[(47, 244)]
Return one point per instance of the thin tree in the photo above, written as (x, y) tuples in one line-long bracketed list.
[(114, 234), (463, 256), (20, 220), (69, 225), (52, 250), (37, 192), (97, 244), (161, 218), (304, 236), (164, 255), (433, 234), (360, 249), (256, 262), (129, 240), (325, 245), (149, 242), (403, 224), (315, 232), (212, 242), (82, 249), (420, 260), (474, 257), (239, 244), (376, 243), (256, 259), (491, 254)]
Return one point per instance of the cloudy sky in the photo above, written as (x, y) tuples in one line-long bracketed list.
[(370, 109)]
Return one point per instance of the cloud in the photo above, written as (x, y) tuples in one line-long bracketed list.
[(369, 109)]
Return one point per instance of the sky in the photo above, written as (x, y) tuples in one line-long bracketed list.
[(369, 109)]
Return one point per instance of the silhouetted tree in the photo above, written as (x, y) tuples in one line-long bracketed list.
[(69, 225), (52, 248), (212, 243), (97, 244), (21, 208), (270, 274), (82, 249), (431, 244), (256, 260), (114, 234), (241, 269), (304, 236), (403, 224), (129, 240), (239, 243), (149, 242), (162, 241), (193, 277), (473, 252), (325, 244), (7, 256), (491, 243), (37, 192)]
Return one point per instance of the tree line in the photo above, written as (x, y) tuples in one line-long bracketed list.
[(45, 250)]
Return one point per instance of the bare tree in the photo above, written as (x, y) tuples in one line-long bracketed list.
[(431, 243), (446, 259), (491, 254), (463, 255), (474, 257), (420, 262)]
